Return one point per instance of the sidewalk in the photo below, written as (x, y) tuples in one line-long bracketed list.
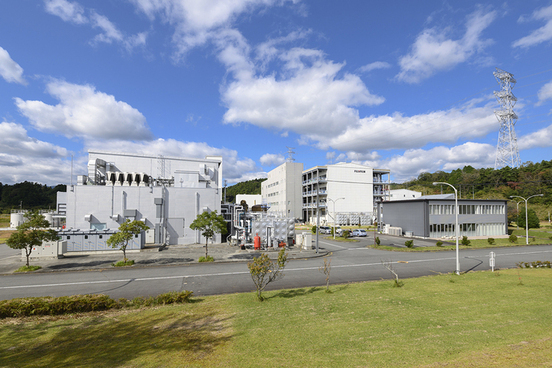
[(149, 256)]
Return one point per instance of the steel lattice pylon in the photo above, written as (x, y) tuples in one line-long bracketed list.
[(507, 153)]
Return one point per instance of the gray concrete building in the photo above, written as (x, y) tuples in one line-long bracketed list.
[(434, 217)]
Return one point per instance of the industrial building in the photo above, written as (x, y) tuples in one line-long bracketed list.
[(435, 217), (402, 194), (166, 193), (281, 192), (343, 193)]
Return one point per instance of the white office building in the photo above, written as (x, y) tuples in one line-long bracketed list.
[(166, 193), (343, 193), (281, 192)]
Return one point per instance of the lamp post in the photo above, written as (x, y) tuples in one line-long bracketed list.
[(526, 217), (329, 199), (456, 225)]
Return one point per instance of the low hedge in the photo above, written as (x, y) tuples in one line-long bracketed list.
[(43, 306)]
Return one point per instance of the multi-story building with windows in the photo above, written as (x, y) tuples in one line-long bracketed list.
[(343, 193), (435, 217), (281, 192)]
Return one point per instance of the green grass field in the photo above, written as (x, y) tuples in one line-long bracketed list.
[(481, 319)]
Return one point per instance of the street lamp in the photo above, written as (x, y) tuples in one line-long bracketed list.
[(456, 225), (526, 218), (329, 199)]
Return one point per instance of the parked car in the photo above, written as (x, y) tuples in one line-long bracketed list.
[(338, 231), (325, 230), (360, 232)]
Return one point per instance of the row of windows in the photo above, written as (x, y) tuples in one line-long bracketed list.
[(273, 184), (467, 209), (273, 194), (469, 229)]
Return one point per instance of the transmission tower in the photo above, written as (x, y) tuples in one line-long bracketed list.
[(290, 153), (507, 153)]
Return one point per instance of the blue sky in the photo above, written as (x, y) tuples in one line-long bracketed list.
[(401, 85)]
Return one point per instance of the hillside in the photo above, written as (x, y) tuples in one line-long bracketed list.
[(245, 187), (487, 183)]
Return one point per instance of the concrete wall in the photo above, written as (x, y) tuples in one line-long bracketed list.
[(410, 216), (97, 207)]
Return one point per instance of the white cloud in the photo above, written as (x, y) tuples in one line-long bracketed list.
[(416, 161), (397, 131), (86, 113), (545, 93), (73, 12), (540, 35), (433, 51), (540, 138), (374, 66), (25, 158), (271, 159), (234, 168), (68, 11), (311, 94), (194, 21), (9, 69)]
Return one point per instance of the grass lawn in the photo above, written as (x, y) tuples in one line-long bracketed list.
[(4, 235), (479, 319), (4, 220)]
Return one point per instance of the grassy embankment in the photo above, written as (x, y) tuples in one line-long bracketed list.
[(480, 319)]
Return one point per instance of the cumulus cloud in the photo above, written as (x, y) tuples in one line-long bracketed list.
[(234, 167), (540, 138), (25, 158), (416, 161), (374, 66), (195, 21), (545, 93), (73, 12), (541, 34), (9, 69), (270, 159), (310, 94), (433, 51), (86, 113), (397, 131)]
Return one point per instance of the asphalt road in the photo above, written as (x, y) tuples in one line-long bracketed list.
[(350, 262)]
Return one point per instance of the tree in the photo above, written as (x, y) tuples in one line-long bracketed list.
[(210, 223), (531, 215), (126, 231), (31, 234), (264, 271)]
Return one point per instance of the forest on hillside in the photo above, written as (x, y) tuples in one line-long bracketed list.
[(244, 187), (487, 183), (28, 195)]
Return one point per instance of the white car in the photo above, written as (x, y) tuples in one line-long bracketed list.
[(360, 232)]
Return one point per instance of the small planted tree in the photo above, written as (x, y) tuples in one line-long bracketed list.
[(389, 266), (466, 241), (326, 269), (31, 234), (209, 223), (264, 271), (126, 231)]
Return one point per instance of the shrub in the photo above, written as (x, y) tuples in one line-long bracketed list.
[(491, 241), (535, 264), (128, 262), (512, 238), (264, 271), (313, 229), (409, 243), (439, 243), (206, 259), (377, 240), (346, 233), (40, 306), (466, 241)]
